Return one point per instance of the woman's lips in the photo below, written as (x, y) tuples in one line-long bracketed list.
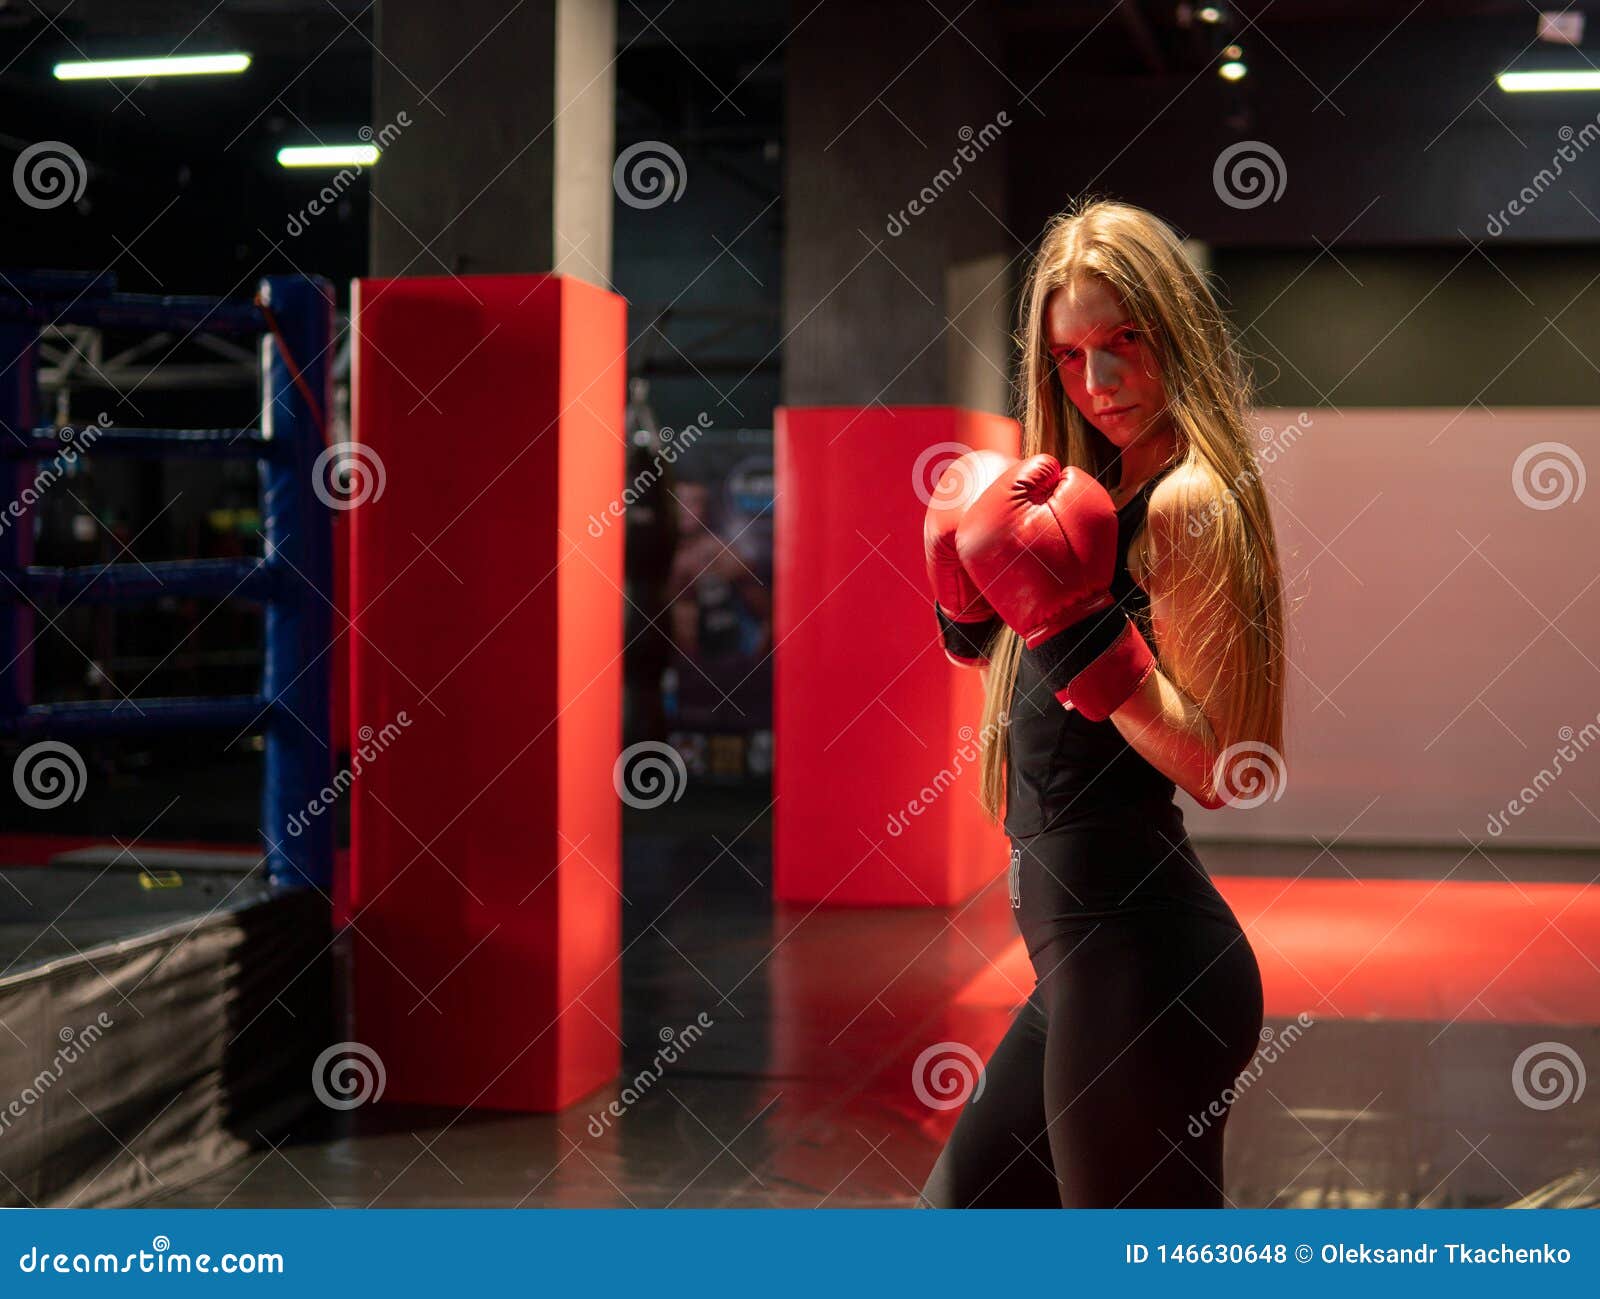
[(1116, 412)]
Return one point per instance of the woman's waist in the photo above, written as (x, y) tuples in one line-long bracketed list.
[(1132, 801), (1101, 869)]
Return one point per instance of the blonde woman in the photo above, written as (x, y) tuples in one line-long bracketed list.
[(1119, 588)]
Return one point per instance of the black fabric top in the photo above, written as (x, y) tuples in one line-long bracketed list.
[(1063, 770)]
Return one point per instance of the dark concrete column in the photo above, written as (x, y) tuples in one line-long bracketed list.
[(898, 274), (497, 126)]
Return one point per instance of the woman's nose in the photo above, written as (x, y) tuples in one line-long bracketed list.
[(1101, 374)]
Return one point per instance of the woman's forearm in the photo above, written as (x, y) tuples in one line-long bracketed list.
[(1172, 734)]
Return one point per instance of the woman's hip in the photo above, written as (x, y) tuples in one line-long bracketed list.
[(1064, 879)]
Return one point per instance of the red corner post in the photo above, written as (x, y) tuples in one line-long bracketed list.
[(878, 736), (486, 682)]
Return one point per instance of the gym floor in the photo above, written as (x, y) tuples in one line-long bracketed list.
[(800, 1091)]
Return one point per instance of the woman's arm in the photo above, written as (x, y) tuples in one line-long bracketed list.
[(1162, 719)]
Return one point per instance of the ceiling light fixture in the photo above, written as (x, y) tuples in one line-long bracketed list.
[(188, 65), (328, 155)]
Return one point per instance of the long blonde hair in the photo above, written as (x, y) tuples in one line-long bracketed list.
[(1209, 395)]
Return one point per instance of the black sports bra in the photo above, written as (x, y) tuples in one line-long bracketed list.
[(1063, 770)]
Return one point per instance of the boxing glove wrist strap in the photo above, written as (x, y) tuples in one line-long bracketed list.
[(967, 643), (1096, 663)]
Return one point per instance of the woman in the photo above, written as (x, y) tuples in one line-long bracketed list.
[(1119, 588)]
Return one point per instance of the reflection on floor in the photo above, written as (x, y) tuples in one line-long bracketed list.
[(1451, 1023)]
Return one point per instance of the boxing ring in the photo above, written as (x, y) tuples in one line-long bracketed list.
[(293, 319), (178, 992)]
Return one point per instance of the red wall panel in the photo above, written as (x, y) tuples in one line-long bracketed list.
[(867, 711)]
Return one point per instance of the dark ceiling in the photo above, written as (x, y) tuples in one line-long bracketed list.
[(183, 190)]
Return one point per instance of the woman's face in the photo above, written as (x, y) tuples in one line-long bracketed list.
[(1106, 367)]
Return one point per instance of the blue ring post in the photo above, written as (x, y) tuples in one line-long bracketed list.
[(294, 580), (297, 534), (18, 354)]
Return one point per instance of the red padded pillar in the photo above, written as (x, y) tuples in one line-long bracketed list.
[(877, 734), (340, 685), (486, 681)]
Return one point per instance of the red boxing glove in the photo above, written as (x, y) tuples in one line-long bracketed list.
[(967, 622), (1041, 543)]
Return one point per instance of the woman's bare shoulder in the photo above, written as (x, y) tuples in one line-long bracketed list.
[(1185, 491), (1182, 504)]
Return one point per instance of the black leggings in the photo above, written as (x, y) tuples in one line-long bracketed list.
[(1107, 1090)]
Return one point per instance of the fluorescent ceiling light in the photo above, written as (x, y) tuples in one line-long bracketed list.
[(190, 65), (1575, 79), (329, 155)]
